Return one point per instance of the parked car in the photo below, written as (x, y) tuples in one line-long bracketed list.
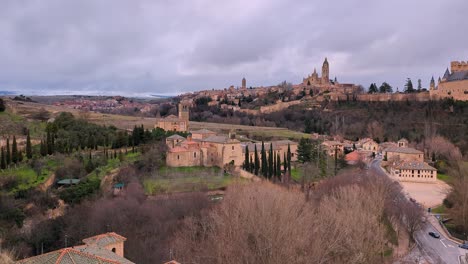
[(464, 246), (434, 234)]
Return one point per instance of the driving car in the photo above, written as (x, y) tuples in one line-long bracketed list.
[(434, 234), (464, 246)]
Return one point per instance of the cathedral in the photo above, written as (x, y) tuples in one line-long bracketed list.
[(315, 79)]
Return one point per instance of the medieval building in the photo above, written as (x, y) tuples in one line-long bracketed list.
[(407, 164), (454, 83), (206, 148), (315, 79), (175, 123), (104, 248)]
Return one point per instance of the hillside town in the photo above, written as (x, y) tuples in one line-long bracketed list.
[(232, 132)]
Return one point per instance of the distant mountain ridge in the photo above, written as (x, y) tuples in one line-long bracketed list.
[(7, 93)]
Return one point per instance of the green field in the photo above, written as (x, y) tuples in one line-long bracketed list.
[(27, 177), (114, 164), (444, 177), (186, 179), (12, 124)]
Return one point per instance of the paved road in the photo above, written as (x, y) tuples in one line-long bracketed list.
[(436, 250)]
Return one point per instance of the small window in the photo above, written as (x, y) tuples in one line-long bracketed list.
[(232, 147), (178, 157), (113, 250), (194, 154)]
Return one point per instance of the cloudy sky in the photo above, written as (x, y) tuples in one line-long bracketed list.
[(138, 47)]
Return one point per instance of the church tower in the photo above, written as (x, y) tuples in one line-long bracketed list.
[(184, 112), (244, 83), (325, 72), (432, 85)]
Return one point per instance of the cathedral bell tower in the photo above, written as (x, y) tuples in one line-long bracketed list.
[(325, 72)]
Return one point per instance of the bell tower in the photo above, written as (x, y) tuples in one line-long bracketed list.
[(184, 112), (432, 85), (325, 72)]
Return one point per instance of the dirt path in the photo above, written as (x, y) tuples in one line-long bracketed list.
[(49, 182)]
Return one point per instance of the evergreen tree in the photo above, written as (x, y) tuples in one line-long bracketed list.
[(2, 159), (20, 156), (307, 126), (28, 146), (251, 168), (373, 88), (278, 166), (14, 151), (256, 161), (304, 150), (409, 86), (385, 88), (323, 164), (264, 162), (247, 159), (336, 160), (270, 162), (289, 158), (285, 163), (274, 166), (8, 154), (43, 149)]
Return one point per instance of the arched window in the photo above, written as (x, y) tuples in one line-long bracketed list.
[(113, 250)]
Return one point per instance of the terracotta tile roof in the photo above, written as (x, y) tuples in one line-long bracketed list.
[(220, 139), (175, 137), (103, 240), (203, 131), (178, 149), (404, 150), (74, 256), (414, 165)]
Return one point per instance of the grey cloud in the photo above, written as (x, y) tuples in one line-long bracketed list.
[(167, 46)]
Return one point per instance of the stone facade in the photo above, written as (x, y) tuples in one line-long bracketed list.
[(407, 164), (413, 171), (331, 147), (174, 123), (314, 79), (404, 154), (453, 84), (219, 150)]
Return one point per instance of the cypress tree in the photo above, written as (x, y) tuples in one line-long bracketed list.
[(28, 146), (275, 173), (264, 162), (8, 154), (247, 159), (278, 166), (270, 162), (14, 151), (43, 148), (2, 159), (20, 156), (285, 163), (289, 158), (251, 168), (256, 161)]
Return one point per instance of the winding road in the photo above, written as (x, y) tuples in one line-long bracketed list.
[(436, 250)]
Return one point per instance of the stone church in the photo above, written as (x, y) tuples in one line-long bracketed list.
[(206, 148), (175, 123), (454, 83)]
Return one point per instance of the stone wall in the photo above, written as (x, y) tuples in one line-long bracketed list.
[(278, 107), (457, 90)]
